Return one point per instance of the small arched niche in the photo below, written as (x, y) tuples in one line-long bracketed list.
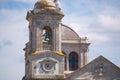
[(73, 61)]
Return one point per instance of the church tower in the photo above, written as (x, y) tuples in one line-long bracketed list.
[(44, 58), (54, 50), (45, 26)]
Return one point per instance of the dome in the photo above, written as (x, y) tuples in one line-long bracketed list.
[(69, 34), (43, 4)]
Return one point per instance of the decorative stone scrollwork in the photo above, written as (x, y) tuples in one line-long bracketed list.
[(100, 70), (46, 66)]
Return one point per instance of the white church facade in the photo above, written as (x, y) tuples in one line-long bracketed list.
[(57, 52)]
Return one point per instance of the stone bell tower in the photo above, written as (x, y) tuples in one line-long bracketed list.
[(43, 56), (45, 28)]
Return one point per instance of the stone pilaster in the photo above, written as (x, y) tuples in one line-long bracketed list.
[(81, 59), (57, 37)]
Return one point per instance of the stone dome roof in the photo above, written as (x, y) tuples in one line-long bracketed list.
[(43, 4), (68, 33)]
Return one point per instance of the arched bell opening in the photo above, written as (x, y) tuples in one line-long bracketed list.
[(47, 34), (47, 38)]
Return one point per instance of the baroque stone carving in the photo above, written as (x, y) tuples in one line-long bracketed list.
[(46, 66), (100, 69)]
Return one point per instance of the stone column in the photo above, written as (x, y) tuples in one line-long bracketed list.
[(57, 37), (82, 59), (59, 49), (86, 56), (67, 61), (39, 42), (79, 62)]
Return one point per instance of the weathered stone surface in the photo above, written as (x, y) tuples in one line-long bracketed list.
[(98, 69), (51, 43)]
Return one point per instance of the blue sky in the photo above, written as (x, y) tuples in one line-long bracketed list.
[(99, 20)]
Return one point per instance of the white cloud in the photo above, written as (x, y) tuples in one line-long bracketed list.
[(82, 25), (5, 43), (98, 38), (109, 22), (12, 31), (26, 1)]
